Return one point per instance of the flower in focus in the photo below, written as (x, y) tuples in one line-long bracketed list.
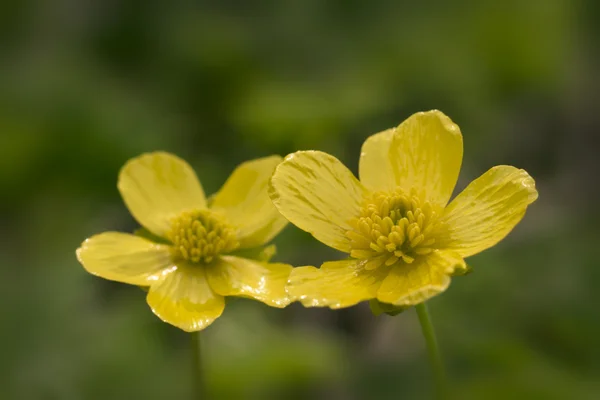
[(403, 238), (191, 255)]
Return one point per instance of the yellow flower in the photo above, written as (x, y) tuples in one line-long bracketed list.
[(196, 260), (403, 239)]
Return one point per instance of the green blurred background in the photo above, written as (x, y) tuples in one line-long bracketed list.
[(86, 85)]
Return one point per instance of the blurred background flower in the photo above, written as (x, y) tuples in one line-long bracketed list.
[(86, 85)]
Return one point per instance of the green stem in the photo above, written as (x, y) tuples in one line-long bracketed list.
[(197, 370), (433, 350)]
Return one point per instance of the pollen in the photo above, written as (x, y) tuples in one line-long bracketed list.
[(393, 228), (199, 236)]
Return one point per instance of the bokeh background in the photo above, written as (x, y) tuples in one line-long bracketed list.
[(86, 85)]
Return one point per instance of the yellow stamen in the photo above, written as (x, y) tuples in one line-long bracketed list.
[(392, 228), (200, 235)]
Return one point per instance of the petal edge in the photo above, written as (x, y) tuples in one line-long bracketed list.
[(337, 284), (156, 187), (487, 210), (318, 194), (375, 167), (124, 258), (236, 276), (184, 299), (426, 154), (411, 284), (245, 201)]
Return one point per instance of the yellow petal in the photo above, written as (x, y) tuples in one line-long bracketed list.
[(236, 276), (411, 284), (375, 168), (158, 186), (426, 154), (487, 210), (184, 299), (124, 258), (318, 194), (245, 201), (336, 284)]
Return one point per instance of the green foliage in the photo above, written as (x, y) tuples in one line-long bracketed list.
[(84, 87)]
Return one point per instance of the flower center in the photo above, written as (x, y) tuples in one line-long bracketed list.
[(392, 227), (200, 235)]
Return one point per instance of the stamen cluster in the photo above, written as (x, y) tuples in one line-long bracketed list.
[(200, 235), (392, 227)]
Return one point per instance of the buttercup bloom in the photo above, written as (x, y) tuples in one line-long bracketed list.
[(196, 258), (404, 240)]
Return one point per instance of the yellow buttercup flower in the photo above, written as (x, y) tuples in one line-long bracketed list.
[(403, 239), (196, 259)]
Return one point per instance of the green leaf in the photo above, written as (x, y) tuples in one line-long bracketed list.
[(146, 234), (463, 272), (263, 254), (378, 308)]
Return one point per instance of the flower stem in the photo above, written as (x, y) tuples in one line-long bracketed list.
[(433, 350), (199, 391)]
